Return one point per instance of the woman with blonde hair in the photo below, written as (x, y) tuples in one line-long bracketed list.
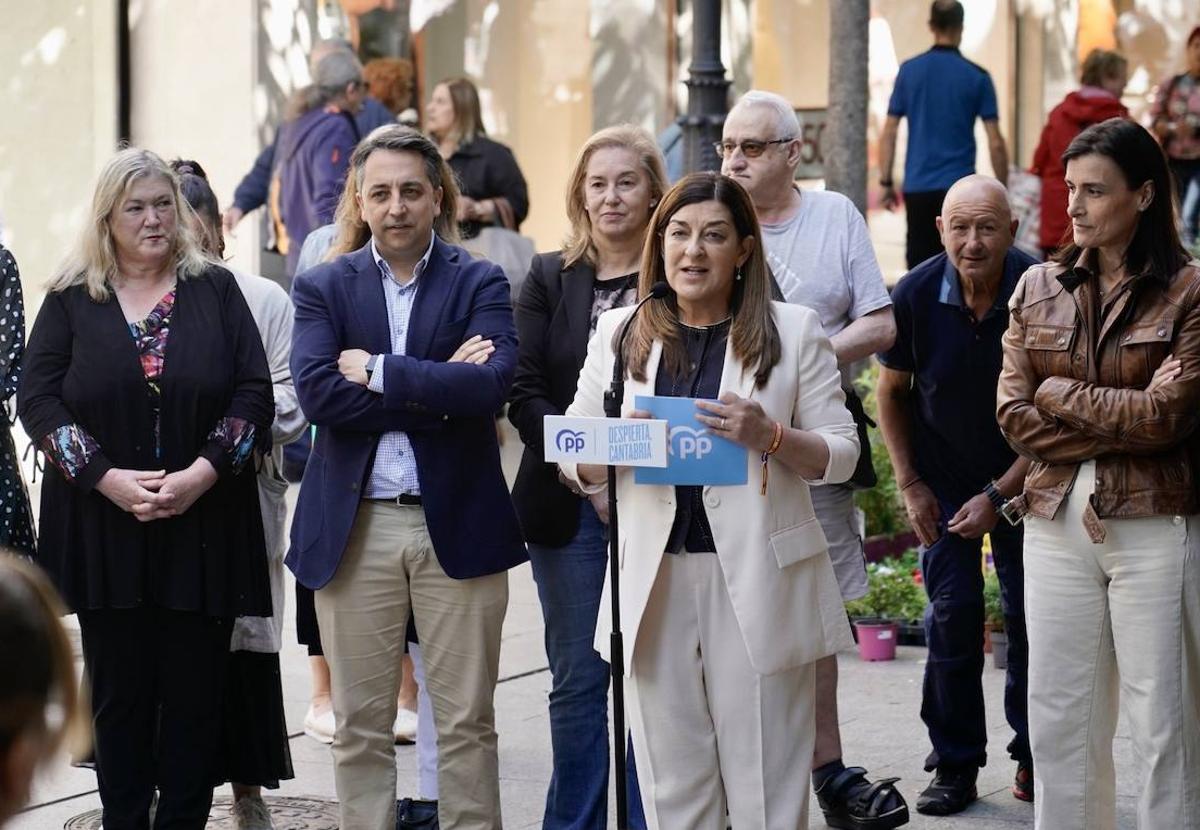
[(617, 181), (493, 190), (729, 596), (147, 387), (40, 706)]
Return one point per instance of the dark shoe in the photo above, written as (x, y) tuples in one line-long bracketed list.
[(415, 814), (1022, 788), (950, 792), (851, 802)]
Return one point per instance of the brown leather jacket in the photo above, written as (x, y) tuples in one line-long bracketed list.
[(1069, 393)]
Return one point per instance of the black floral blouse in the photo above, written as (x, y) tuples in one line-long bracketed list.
[(16, 519)]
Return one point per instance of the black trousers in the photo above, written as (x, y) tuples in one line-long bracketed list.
[(157, 679), (952, 696), (922, 239)]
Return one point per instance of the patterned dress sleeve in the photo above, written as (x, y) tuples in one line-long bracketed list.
[(70, 449), (234, 439)]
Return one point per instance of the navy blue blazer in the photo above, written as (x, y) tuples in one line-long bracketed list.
[(447, 409)]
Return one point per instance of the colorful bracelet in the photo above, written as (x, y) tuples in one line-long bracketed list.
[(770, 451)]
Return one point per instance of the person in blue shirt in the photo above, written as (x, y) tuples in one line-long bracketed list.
[(941, 93), (937, 412)]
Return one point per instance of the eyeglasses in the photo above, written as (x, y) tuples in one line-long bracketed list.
[(750, 149)]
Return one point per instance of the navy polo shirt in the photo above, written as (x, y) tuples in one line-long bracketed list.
[(941, 93), (955, 361)]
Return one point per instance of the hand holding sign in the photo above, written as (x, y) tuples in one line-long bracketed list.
[(698, 454), (740, 420)]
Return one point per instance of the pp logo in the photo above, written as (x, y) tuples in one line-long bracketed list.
[(690, 441), (569, 440)]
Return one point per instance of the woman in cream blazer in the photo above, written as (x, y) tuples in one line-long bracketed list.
[(728, 592)]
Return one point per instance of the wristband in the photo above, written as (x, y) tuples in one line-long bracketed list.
[(909, 483), (770, 451)]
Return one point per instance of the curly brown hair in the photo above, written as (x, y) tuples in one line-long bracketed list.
[(390, 81)]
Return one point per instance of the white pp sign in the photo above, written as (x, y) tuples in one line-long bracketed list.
[(623, 442)]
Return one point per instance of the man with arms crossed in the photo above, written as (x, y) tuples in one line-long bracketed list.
[(404, 349), (819, 252)]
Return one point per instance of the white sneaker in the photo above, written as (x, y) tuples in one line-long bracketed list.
[(405, 727), (251, 813), (319, 727)]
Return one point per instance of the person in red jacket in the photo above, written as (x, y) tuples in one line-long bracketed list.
[(1098, 99)]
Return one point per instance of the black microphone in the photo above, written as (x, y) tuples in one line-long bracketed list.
[(616, 393)]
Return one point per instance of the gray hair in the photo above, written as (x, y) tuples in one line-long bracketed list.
[(786, 123), (337, 70), (332, 74), (324, 47), (352, 232)]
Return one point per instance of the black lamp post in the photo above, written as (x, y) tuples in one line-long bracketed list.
[(707, 89)]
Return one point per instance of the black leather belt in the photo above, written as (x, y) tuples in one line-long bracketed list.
[(402, 499)]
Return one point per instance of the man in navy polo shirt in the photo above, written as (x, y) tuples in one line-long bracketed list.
[(937, 412), (941, 93)]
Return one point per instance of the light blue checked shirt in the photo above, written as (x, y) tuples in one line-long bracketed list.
[(395, 470)]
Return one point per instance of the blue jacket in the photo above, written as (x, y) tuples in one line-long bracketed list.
[(447, 409)]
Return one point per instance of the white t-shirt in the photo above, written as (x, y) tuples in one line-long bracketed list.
[(822, 258)]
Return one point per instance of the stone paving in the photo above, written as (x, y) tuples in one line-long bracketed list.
[(879, 712)]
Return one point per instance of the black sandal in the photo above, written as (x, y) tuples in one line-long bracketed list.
[(851, 802)]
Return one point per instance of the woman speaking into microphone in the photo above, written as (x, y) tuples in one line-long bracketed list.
[(729, 596)]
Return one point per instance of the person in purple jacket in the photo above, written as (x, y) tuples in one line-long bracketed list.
[(314, 150), (254, 188)]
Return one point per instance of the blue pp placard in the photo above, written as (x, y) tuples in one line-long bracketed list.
[(695, 454)]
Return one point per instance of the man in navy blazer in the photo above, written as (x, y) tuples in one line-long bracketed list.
[(403, 351)]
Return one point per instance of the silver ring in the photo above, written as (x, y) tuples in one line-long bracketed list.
[(723, 420)]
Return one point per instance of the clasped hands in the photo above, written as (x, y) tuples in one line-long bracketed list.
[(157, 494), (352, 363)]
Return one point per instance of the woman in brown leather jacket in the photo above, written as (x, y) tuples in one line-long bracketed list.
[(1101, 388)]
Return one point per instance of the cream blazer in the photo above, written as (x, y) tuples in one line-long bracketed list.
[(772, 551)]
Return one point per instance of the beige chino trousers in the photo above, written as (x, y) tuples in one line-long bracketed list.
[(708, 731), (1113, 624), (390, 565)]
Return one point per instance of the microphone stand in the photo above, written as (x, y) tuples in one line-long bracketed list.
[(612, 409)]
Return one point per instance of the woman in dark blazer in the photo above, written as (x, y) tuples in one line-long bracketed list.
[(617, 181), (147, 387), (493, 190)]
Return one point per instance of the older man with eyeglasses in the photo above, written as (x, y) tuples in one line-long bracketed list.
[(821, 256)]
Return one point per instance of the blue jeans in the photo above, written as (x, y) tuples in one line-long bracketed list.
[(952, 698), (569, 581)]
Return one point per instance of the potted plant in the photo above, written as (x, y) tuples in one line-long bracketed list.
[(887, 531), (893, 597), (993, 620)]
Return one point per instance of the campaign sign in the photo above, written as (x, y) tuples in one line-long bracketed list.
[(696, 454), (622, 442)]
